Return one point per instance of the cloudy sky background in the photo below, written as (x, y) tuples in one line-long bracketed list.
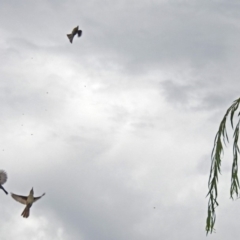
[(118, 127)]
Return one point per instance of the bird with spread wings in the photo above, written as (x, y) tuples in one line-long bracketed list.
[(74, 32), (26, 200)]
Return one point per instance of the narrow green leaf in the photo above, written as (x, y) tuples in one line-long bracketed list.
[(232, 114)]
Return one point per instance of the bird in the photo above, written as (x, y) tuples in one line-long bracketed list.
[(3, 179), (27, 200), (74, 32)]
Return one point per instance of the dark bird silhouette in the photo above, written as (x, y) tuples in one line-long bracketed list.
[(3, 179), (27, 200), (74, 32)]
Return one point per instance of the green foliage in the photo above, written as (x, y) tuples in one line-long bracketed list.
[(216, 158)]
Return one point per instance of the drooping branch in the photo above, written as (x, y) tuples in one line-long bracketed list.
[(216, 158)]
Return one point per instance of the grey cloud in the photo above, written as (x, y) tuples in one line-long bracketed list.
[(141, 37), (176, 93), (107, 153)]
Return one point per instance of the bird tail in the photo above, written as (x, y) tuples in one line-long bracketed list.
[(26, 211), (70, 36), (3, 189)]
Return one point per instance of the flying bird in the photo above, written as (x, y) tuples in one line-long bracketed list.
[(3, 179), (27, 200), (74, 32)]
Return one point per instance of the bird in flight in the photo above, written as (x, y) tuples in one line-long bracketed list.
[(74, 32), (26, 200), (3, 179)]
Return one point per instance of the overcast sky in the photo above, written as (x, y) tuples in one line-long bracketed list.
[(118, 127)]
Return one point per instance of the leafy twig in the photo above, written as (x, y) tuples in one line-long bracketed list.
[(215, 169)]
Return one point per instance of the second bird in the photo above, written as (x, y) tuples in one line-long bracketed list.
[(27, 200), (3, 179), (74, 32)]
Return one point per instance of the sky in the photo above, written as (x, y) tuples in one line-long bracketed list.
[(117, 128)]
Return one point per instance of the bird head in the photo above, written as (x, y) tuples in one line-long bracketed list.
[(31, 192)]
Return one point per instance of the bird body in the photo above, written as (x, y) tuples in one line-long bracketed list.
[(27, 200), (74, 32), (3, 179)]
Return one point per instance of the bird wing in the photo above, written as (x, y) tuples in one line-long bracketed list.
[(18, 198), (3, 177), (79, 33), (37, 198)]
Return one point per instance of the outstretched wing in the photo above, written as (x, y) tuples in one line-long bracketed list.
[(3, 177), (21, 199), (79, 33), (37, 198)]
